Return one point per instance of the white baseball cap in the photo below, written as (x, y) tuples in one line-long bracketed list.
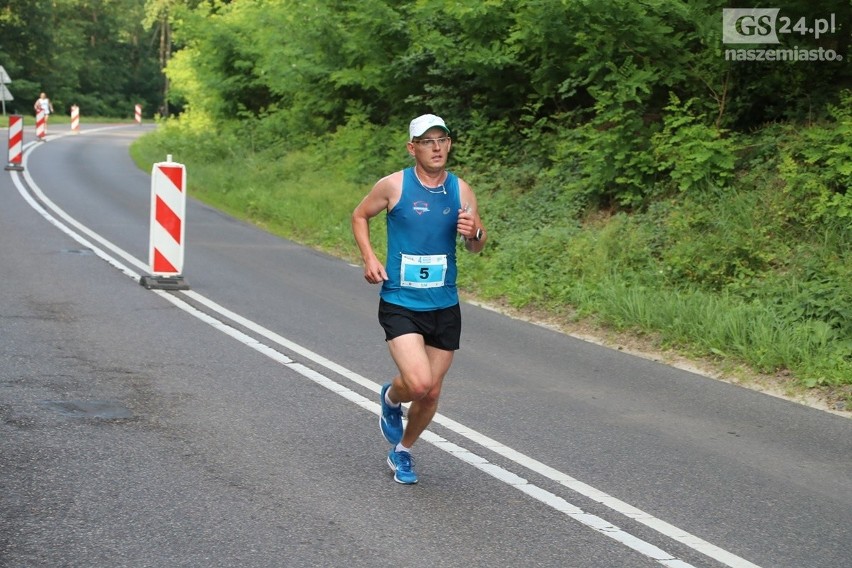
[(421, 124)]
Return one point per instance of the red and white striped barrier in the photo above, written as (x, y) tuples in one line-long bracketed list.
[(166, 238), (41, 125), (16, 142), (138, 114), (75, 119)]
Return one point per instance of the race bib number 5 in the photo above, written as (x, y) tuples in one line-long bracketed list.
[(423, 271)]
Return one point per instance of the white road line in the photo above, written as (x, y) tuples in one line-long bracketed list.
[(662, 527), (554, 501)]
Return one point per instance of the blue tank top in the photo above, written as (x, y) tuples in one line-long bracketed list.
[(421, 232)]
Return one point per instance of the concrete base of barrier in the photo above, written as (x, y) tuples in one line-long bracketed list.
[(15, 167), (164, 283)]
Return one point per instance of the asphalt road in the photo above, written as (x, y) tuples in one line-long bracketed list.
[(235, 424)]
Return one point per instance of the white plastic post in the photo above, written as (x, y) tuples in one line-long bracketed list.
[(16, 142), (41, 125), (75, 119), (168, 227)]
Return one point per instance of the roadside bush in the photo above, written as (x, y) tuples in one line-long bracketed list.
[(816, 167), (693, 155)]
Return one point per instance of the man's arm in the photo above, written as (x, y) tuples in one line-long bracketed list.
[(373, 203), (469, 220)]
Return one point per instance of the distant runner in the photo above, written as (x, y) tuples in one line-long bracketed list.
[(44, 105)]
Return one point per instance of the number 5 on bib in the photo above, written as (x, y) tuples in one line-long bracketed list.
[(427, 271)]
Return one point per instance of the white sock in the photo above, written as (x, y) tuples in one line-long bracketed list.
[(400, 448), (389, 401)]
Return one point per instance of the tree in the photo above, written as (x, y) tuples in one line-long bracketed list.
[(93, 53)]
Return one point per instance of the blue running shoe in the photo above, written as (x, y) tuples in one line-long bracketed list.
[(402, 466), (391, 420)]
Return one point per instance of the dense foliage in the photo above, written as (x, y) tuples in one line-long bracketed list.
[(617, 103), (102, 55)]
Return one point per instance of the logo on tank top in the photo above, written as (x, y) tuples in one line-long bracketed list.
[(420, 207)]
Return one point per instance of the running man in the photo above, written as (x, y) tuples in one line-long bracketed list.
[(427, 208), (44, 105)]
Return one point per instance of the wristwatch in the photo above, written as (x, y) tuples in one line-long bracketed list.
[(478, 235)]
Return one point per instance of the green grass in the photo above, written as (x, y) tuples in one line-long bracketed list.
[(722, 326)]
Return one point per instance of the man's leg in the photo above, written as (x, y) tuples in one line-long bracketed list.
[(422, 369), (422, 410)]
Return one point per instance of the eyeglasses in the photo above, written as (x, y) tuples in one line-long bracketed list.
[(423, 142)]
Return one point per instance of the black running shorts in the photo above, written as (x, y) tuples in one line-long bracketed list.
[(440, 328)]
